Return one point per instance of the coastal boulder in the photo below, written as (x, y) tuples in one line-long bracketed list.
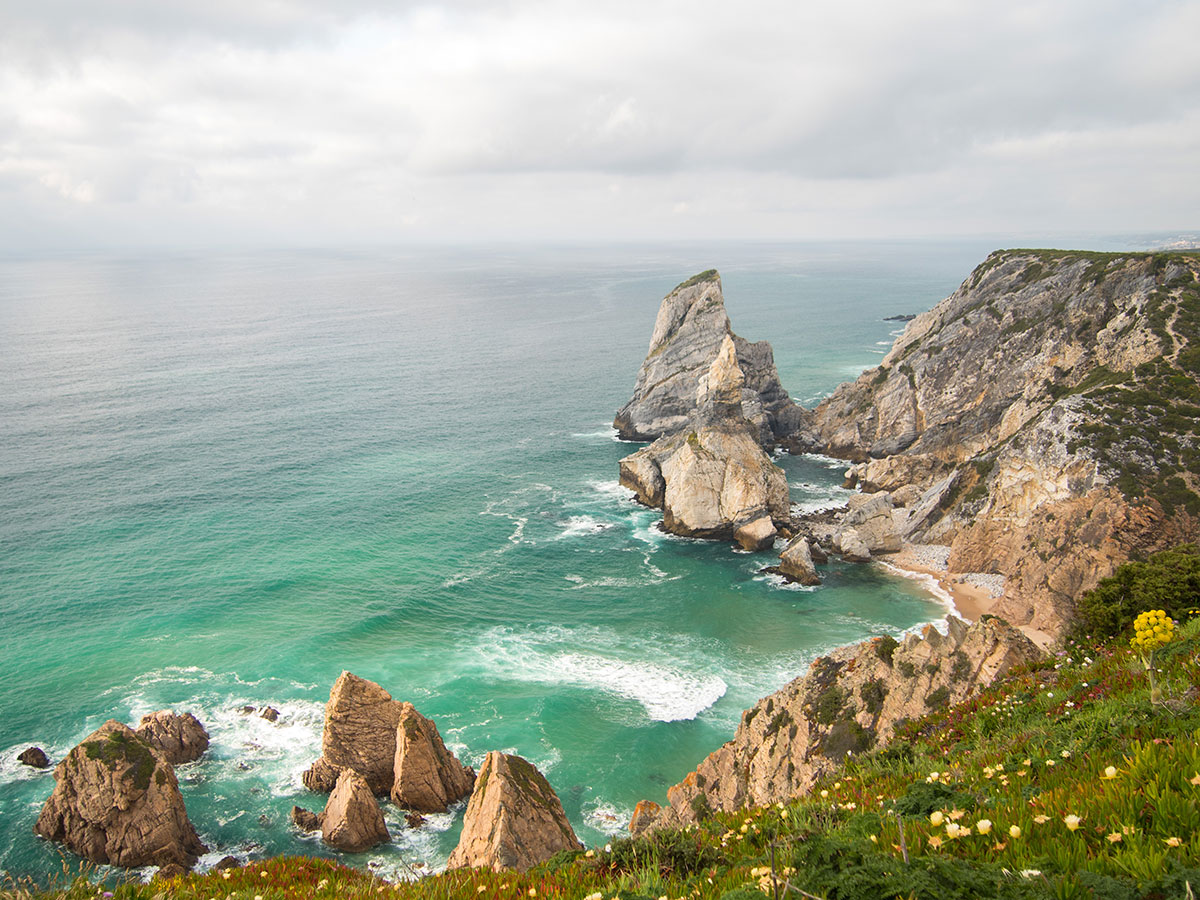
[(352, 820), (117, 802), (305, 819), (360, 733), (796, 562), (870, 516), (35, 757), (177, 738), (688, 333), (644, 815), (428, 777), (514, 819)]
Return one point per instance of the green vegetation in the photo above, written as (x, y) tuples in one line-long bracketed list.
[(1169, 580), (1065, 780), (706, 275), (119, 749)]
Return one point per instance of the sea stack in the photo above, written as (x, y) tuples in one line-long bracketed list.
[(688, 334), (514, 819), (117, 802), (713, 479)]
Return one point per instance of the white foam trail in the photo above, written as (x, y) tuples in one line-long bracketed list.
[(612, 664), (830, 462), (608, 434), (781, 583)]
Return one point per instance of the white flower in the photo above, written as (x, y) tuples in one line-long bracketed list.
[(983, 826), (936, 818), (1014, 831)]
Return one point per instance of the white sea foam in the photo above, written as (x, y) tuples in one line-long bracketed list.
[(606, 818), (829, 462), (608, 434), (612, 489), (667, 691), (778, 581), (576, 526)]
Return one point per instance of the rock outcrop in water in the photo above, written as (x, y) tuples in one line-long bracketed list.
[(360, 734), (177, 738), (116, 801), (688, 333), (34, 757), (713, 479), (352, 820), (1043, 420), (428, 777), (848, 702), (514, 819), (394, 748)]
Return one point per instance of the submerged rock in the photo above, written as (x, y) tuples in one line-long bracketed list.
[(177, 738), (688, 333), (35, 757), (428, 777), (514, 819), (360, 733), (117, 802), (352, 820)]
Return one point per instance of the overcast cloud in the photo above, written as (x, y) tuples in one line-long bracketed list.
[(199, 121)]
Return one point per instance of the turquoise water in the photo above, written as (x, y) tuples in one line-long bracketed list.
[(223, 480)]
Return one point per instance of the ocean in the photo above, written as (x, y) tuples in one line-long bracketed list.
[(225, 478)]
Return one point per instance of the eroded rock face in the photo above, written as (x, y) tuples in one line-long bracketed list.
[(714, 481), (352, 820), (1009, 415), (688, 333), (514, 819), (117, 802), (360, 734), (870, 517), (177, 738), (428, 777), (849, 701)]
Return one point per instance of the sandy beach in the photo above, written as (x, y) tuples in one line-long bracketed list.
[(973, 595)]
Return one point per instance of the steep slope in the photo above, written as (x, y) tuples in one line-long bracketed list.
[(1049, 409)]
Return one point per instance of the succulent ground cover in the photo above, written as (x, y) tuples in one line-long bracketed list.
[(1067, 779)]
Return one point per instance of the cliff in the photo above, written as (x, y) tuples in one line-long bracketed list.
[(1046, 414), (849, 702)]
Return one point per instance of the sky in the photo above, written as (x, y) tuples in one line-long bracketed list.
[(300, 122)]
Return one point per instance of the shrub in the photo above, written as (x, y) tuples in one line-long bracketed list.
[(885, 646), (1168, 580), (873, 693)]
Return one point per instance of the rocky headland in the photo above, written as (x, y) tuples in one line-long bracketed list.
[(1041, 422)]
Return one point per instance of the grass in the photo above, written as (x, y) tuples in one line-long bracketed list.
[(1076, 740)]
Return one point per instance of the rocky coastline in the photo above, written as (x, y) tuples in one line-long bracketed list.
[(990, 455)]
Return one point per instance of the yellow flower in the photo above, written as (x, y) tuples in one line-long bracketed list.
[(983, 826), (935, 842), (956, 814), (1014, 831), (1041, 820), (481, 889), (952, 830), (1172, 842), (1072, 822), (936, 818), (1114, 838), (874, 839), (1027, 762), (824, 793), (1195, 779), (1110, 772)]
